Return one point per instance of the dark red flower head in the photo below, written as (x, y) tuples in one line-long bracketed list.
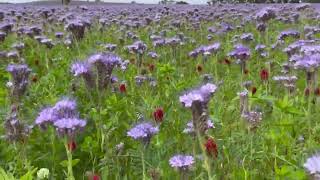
[(307, 92), (227, 61), (317, 91), (122, 88), (94, 177), (151, 67), (72, 145), (34, 79), (264, 75), (36, 62), (199, 68), (158, 115), (211, 147), (253, 90)]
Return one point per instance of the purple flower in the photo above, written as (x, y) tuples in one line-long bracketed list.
[(105, 63), (69, 126), (137, 47), (247, 37), (80, 68), (65, 108), (77, 28), (266, 14), (110, 47), (313, 164), (20, 74), (260, 47), (240, 52), (153, 55), (45, 116), (143, 131), (190, 128), (289, 33), (308, 62), (59, 35), (15, 129), (181, 162), (201, 94)]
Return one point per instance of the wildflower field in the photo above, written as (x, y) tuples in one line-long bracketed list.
[(125, 92)]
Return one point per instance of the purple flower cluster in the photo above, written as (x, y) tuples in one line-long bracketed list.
[(190, 128), (143, 131), (289, 33), (201, 94), (266, 14), (240, 52), (308, 62), (77, 28), (104, 63), (204, 50), (313, 164), (20, 78), (137, 47), (16, 130), (63, 116), (181, 162)]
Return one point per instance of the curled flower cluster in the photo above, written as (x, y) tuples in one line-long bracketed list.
[(143, 131), (190, 129), (15, 129), (205, 50), (20, 79), (63, 116), (313, 166), (104, 63), (198, 100), (181, 162)]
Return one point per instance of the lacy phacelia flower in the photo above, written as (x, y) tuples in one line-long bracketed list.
[(77, 29), (244, 101), (63, 115), (16, 130), (80, 68), (266, 14), (83, 69), (198, 100), (105, 63), (181, 162), (240, 52), (46, 116), (20, 74), (308, 62), (143, 131), (69, 126), (313, 164), (65, 108), (253, 118), (190, 128), (201, 94), (289, 33)]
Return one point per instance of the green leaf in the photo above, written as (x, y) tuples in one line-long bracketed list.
[(5, 176), (29, 175), (65, 162)]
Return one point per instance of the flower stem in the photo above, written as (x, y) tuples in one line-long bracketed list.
[(143, 165), (69, 155)]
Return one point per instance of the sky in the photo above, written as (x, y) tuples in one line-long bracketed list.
[(118, 1)]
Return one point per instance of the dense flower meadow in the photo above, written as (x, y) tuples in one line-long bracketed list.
[(159, 92)]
